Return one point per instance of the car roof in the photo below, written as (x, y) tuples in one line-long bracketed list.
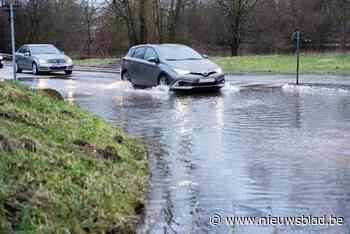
[(158, 45), (32, 45)]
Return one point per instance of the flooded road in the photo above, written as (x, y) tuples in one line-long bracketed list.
[(245, 151)]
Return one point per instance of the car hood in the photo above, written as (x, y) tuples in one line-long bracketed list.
[(195, 66), (50, 56)]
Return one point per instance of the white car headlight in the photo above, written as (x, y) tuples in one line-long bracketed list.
[(69, 60), (42, 61), (182, 72), (218, 70), (1, 58)]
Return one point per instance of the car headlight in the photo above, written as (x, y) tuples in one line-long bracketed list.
[(182, 72), (218, 70), (42, 61), (69, 60), (1, 58)]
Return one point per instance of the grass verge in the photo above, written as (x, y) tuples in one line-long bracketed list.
[(63, 170), (95, 61), (310, 63)]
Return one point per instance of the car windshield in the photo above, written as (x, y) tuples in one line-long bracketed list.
[(178, 53), (44, 49)]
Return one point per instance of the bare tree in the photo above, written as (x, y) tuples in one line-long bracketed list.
[(158, 19), (343, 7), (143, 20), (89, 11), (125, 9), (236, 12)]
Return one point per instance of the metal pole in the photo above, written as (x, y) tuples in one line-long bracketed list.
[(13, 41), (298, 56)]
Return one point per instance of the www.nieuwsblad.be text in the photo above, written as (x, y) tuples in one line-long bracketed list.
[(304, 220)]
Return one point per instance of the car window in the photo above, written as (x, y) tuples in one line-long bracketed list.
[(150, 53), (131, 52), (21, 50), (139, 52)]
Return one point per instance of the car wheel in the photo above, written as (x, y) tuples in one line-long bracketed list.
[(163, 80), (18, 69), (68, 72), (35, 69), (125, 76)]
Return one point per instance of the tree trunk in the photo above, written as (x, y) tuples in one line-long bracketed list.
[(133, 39), (158, 20), (344, 16), (236, 27), (234, 46), (143, 21)]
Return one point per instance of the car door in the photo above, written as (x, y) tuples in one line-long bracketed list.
[(27, 61), (149, 69), (20, 57), (134, 65)]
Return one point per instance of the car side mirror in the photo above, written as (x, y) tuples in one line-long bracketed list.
[(27, 54), (153, 60), (205, 56)]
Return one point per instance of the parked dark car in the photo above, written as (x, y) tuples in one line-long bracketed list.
[(175, 65), (42, 58), (1, 61)]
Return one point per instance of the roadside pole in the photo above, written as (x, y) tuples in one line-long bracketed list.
[(13, 38), (298, 55)]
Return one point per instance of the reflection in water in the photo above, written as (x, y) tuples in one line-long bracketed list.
[(220, 108), (281, 152), (42, 84), (71, 86)]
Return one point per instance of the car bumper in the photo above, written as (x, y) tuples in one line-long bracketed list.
[(55, 67), (215, 82)]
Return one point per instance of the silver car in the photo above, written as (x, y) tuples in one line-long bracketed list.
[(40, 58), (175, 65)]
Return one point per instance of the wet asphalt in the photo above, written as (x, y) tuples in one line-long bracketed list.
[(260, 147)]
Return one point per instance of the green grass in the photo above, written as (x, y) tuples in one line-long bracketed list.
[(63, 170), (315, 63), (95, 61)]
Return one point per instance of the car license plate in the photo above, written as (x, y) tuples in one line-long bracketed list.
[(57, 66), (209, 80)]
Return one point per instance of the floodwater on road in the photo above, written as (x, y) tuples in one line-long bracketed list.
[(245, 151)]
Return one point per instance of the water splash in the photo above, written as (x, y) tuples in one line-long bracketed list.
[(231, 87), (317, 89)]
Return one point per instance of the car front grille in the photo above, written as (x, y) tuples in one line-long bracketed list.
[(57, 61), (203, 74)]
